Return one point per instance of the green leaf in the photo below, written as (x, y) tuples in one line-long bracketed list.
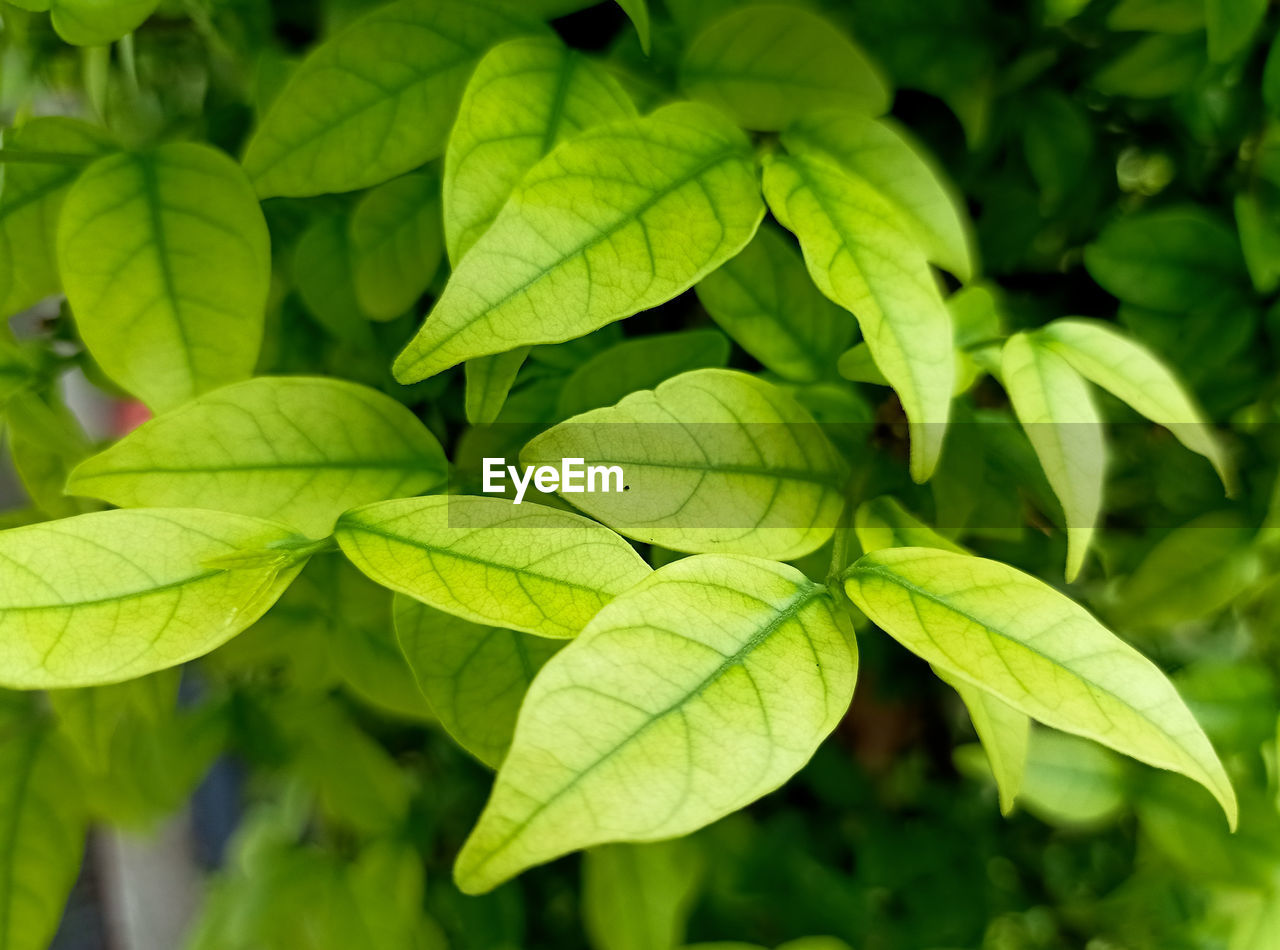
[(883, 523), (1004, 733), (46, 442), (396, 243), (30, 203), (474, 677), (91, 718), (768, 64), (489, 380), (98, 22), (704, 687), (292, 448), (713, 461), (324, 277), (577, 246), (42, 825), (1194, 571), (641, 363), (1158, 65), (1005, 632), (137, 234), (1231, 25), (900, 170), (526, 567), (112, 595), (525, 97), (1057, 412), (1173, 260), (1259, 240), (376, 100), (764, 299), (1135, 376), (638, 896), (638, 12), (863, 255), (1162, 16)]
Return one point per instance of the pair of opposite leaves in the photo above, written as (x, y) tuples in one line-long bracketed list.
[(549, 572)]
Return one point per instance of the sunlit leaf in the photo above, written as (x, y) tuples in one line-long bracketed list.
[(713, 461), (621, 218), (137, 234), (111, 595), (376, 100), (295, 449), (527, 567), (525, 97), (1005, 632), (687, 719)]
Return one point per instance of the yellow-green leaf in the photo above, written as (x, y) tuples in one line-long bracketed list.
[(30, 202), (98, 22), (704, 687), (1004, 733), (526, 567), (768, 64), (1131, 373), (1056, 410), (863, 255), (489, 380), (525, 97), (1005, 632), (42, 826), (377, 99), (883, 523), (638, 896), (474, 677), (619, 219), (295, 449), (136, 244), (713, 461), (112, 595)]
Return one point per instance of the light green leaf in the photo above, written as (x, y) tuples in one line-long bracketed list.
[(1173, 260), (90, 718), (295, 449), (768, 64), (376, 100), (98, 22), (1004, 733), (46, 442), (883, 523), (640, 363), (704, 687), (1056, 410), (135, 241), (112, 595), (713, 461), (1003, 631), (863, 256), (489, 380), (42, 825), (638, 896), (619, 219), (525, 97), (638, 12), (1134, 375), (1231, 25), (474, 677), (396, 243), (527, 567), (30, 202), (764, 299), (899, 170)]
